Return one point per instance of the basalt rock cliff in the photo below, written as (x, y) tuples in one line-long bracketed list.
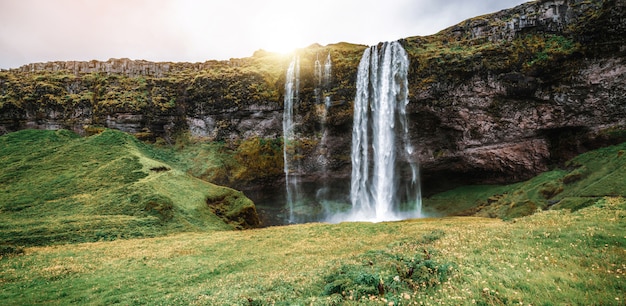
[(497, 98)]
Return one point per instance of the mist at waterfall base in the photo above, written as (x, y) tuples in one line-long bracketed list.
[(384, 183)]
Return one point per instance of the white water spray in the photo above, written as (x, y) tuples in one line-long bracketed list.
[(378, 190), (292, 87)]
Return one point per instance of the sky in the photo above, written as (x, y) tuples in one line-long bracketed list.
[(196, 31)]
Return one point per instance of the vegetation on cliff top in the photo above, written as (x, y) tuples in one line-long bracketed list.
[(57, 187), (255, 80)]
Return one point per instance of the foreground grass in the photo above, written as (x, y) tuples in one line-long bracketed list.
[(552, 257)]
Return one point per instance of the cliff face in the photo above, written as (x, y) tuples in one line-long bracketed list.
[(525, 88), (497, 98)]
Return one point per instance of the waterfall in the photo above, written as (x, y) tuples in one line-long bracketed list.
[(378, 189), (323, 79), (328, 66), (292, 87), (317, 71), (323, 84), (327, 71)]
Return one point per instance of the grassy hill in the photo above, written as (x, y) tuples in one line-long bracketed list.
[(581, 182), (57, 187)]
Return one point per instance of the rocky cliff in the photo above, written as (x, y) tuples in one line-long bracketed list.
[(512, 93), (497, 98)]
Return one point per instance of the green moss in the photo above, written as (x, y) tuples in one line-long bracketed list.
[(575, 175), (464, 200), (545, 49), (233, 207), (259, 158)]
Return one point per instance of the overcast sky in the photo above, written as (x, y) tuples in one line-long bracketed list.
[(196, 31)]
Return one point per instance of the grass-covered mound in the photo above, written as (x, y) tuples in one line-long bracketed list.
[(581, 182), (550, 258), (57, 187)]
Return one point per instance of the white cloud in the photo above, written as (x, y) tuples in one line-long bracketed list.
[(194, 30)]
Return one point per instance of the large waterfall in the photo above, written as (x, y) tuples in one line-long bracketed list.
[(384, 186), (292, 87), (385, 183)]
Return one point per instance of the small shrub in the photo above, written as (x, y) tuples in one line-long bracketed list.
[(525, 208), (551, 189), (387, 274), (8, 250), (432, 236), (160, 169), (91, 130), (161, 206), (352, 280), (576, 175)]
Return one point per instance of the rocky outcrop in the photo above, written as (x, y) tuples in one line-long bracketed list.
[(497, 98), (125, 66)]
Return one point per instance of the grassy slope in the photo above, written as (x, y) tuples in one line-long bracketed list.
[(551, 257), (56, 187), (554, 257), (585, 179)]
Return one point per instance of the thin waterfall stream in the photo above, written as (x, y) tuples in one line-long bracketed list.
[(292, 87)]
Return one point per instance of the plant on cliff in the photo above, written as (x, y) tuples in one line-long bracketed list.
[(540, 51), (259, 158), (229, 163)]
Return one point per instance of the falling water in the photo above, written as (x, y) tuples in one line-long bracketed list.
[(323, 82), (328, 66), (292, 87), (379, 190), (322, 79), (317, 71)]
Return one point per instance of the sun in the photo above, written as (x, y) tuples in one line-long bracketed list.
[(280, 33), (281, 46)]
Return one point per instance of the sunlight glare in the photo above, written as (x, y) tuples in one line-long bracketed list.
[(278, 29), (282, 46)]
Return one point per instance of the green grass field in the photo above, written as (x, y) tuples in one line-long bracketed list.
[(550, 258), (106, 219)]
